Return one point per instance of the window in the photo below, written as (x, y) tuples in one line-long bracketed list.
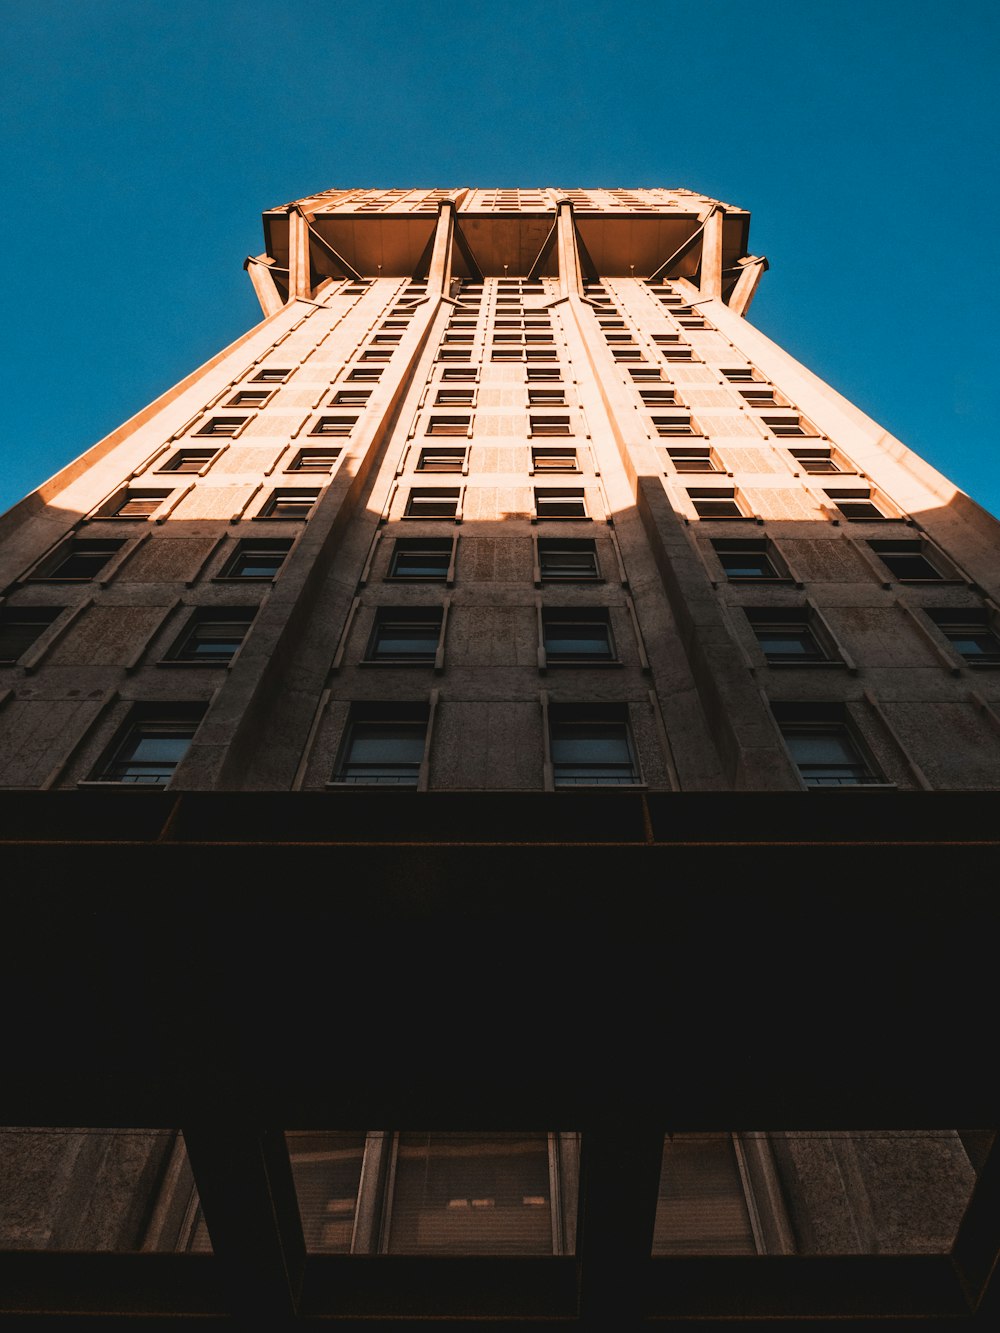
[(351, 398), (824, 746), (547, 397), (313, 460), (541, 374), (553, 459), (678, 353), (383, 745), (856, 504), (818, 460), (970, 633), (442, 459), (591, 746), (151, 745), (189, 460), (458, 373), (221, 425), (577, 635), (20, 626), (560, 502), (765, 396), (376, 354), (788, 636), (742, 375), (716, 502), (907, 562), (789, 423), (659, 397), (693, 458), (342, 425), (421, 558), (455, 398), (567, 560), (271, 375), (748, 561), (405, 635), (549, 425), (674, 423), (641, 374), (365, 375), (285, 503), (134, 504), (433, 502), (256, 559), (213, 634), (449, 425), (79, 560), (249, 398)]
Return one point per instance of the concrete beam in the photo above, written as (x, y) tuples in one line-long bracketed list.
[(570, 279), (264, 284), (439, 273), (711, 254), (746, 284), (298, 255)]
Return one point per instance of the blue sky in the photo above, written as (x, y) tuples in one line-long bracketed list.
[(141, 141)]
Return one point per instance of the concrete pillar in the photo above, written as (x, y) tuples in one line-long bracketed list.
[(746, 285), (439, 274), (298, 255), (264, 285), (570, 279), (711, 254)]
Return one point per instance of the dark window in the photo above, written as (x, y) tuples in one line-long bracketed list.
[(702, 1207), (824, 747), (441, 502), (384, 746), (855, 504), (151, 745), (135, 504), (741, 375), (786, 635), (762, 397), (750, 560), (542, 374), (188, 460), (421, 558), (249, 398), (455, 397), (577, 635), (788, 425), (365, 375), (271, 375), (213, 634), (221, 426), (970, 633), (313, 460), (342, 425), (560, 502), (20, 626), (458, 373), (442, 460), (906, 561), (450, 425), (351, 398), (82, 559), (553, 459), (550, 425), (256, 559), (692, 458), (719, 502), (285, 503), (591, 746), (405, 635), (815, 460), (567, 560)]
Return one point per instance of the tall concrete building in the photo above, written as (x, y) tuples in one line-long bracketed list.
[(501, 774)]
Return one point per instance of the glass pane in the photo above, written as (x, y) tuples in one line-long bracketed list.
[(411, 641), (471, 1194), (577, 640), (701, 1207), (326, 1167)]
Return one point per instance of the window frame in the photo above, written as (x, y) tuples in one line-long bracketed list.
[(301, 457), (568, 546), (952, 622), (584, 617), (387, 618), (729, 546), (280, 496), (172, 465), (44, 617), (406, 546), (421, 496), (406, 719), (819, 719), (564, 496), (245, 547), (597, 718), (172, 718), (182, 651)]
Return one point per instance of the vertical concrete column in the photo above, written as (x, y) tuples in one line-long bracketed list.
[(570, 279), (711, 254), (298, 255), (746, 285), (264, 285), (439, 275)]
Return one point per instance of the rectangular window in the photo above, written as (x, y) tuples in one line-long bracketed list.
[(380, 354), (643, 374), (449, 425), (213, 635), (749, 561), (79, 560), (693, 458), (591, 746), (549, 425), (20, 626), (221, 425), (716, 502), (313, 460), (134, 504), (560, 502), (340, 425), (405, 635), (824, 746), (271, 375), (285, 503), (249, 398), (856, 504), (907, 562), (788, 424), (765, 396), (787, 636), (365, 375), (383, 745), (659, 397), (423, 559), (970, 633), (541, 354), (454, 374), (577, 636), (149, 747), (189, 460), (567, 560), (702, 1204), (442, 459), (678, 353), (817, 461), (547, 397), (541, 374), (256, 559), (351, 398), (674, 423), (742, 375), (433, 502), (455, 398), (554, 459)]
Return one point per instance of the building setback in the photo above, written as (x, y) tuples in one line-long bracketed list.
[(504, 758)]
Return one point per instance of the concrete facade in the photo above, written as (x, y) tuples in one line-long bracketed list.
[(505, 495)]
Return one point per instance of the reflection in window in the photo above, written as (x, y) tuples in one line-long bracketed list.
[(701, 1207)]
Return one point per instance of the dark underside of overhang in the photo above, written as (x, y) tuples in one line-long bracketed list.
[(621, 964)]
